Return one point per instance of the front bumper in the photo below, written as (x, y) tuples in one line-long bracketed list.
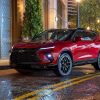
[(29, 57), (32, 66)]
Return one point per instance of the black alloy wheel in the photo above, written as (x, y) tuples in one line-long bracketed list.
[(64, 67)]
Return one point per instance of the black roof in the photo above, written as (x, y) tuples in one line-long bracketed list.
[(65, 29)]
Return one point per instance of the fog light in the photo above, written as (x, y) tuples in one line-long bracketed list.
[(49, 57)]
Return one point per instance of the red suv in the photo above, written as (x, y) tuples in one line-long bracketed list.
[(60, 49)]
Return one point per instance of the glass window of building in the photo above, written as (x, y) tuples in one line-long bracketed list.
[(5, 28)]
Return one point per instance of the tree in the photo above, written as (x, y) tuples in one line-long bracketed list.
[(90, 12), (32, 24)]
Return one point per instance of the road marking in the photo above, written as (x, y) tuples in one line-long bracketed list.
[(62, 87), (57, 85)]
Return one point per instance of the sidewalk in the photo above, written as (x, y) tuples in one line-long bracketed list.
[(4, 64)]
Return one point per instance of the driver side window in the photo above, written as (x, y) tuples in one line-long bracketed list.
[(78, 34), (92, 35)]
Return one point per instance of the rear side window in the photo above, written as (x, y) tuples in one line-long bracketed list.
[(92, 35), (83, 35)]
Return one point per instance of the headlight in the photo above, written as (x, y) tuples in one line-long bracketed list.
[(47, 48)]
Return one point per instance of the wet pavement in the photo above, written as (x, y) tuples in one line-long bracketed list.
[(82, 84)]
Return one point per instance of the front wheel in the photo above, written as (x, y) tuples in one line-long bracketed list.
[(97, 64), (64, 66)]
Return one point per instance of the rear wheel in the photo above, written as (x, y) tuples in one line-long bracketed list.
[(97, 64), (64, 66)]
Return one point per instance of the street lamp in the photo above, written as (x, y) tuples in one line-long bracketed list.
[(98, 21), (98, 26), (78, 13), (88, 28)]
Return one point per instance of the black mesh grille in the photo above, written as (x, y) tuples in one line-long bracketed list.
[(24, 55)]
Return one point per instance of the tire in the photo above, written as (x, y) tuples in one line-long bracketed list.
[(64, 66), (97, 64)]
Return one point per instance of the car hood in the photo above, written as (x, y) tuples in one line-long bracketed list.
[(34, 44), (41, 44)]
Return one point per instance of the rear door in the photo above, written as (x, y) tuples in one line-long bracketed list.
[(92, 48)]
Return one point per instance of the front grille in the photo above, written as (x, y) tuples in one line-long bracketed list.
[(24, 55)]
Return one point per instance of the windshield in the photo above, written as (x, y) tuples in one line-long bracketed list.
[(53, 35)]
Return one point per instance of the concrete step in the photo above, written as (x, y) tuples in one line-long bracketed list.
[(4, 64)]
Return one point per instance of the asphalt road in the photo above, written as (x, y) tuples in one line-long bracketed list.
[(82, 84)]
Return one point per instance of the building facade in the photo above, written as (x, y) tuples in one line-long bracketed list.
[(5, 27), (10, 25), (55, 15), (72, 13), (72, 8)]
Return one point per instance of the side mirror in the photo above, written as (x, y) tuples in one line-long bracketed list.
[(78, 38)]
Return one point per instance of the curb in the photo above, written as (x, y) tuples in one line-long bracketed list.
[(4, 64), (5, 67)]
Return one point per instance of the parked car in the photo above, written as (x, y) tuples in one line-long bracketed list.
[(59, 49)]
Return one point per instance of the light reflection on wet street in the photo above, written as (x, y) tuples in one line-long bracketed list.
[(82, 84)]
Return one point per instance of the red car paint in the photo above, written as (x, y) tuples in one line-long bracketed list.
[(80, 50)]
